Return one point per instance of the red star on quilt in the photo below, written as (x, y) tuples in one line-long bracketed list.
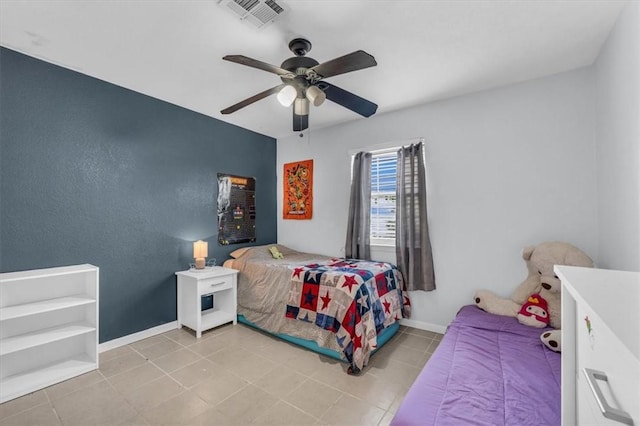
[(296, 272), (349, 280), (325, 300), (357, 342), (387, 306)]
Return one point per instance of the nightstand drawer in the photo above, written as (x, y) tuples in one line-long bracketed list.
[(213, 284)]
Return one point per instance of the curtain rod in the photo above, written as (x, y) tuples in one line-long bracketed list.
[(387, 146)]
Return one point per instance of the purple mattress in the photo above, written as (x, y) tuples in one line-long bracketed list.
[(488, 370)]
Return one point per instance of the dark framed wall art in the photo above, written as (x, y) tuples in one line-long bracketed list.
[(236, 209)]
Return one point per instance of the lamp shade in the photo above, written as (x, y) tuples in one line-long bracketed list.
[(315, 95), (200, 249), (301, 106), (287, 95)]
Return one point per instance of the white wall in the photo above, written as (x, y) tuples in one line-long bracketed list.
[(505, 168), (617, 142)]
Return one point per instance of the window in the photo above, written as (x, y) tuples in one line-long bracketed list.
[(383, 197)]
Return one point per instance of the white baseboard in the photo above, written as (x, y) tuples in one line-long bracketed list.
[(423, 325), (131, 338), (150, 332)]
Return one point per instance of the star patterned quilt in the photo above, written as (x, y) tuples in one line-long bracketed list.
[(355, 299)]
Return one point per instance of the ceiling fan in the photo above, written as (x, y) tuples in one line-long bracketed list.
[(303, 82)]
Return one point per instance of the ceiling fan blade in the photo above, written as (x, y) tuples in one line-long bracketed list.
[(352, 62), (300, 122), (244, 60), (348, 100), (252, 99)]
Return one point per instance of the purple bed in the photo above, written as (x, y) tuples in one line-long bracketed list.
[(488, 370)]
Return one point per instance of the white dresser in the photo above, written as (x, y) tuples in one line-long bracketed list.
[(600, 346)]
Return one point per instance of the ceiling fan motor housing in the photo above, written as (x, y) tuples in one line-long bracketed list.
[(298, 65), (296, 62)]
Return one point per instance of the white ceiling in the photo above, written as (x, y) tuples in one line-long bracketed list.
[(426, 50)]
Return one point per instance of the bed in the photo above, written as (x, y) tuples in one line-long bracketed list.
[(488, 370), (343, 308)]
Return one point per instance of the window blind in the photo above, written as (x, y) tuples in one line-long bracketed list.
[(383, 197)]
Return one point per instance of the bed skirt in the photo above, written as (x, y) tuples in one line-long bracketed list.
[(383, 338)]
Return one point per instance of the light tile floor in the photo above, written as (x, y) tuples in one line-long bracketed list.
[(233, 375)]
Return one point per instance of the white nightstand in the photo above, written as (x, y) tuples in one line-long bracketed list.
[(193, 284)]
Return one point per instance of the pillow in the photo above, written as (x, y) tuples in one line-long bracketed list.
[(239, 252)]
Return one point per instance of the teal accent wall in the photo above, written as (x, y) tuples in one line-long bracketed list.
[(94, 173)]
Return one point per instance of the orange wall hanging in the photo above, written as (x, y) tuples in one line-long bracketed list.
[(298, 190)]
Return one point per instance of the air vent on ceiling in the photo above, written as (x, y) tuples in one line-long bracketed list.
[(259, 13)]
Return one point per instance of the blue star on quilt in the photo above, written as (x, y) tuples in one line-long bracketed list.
[(309, 298)]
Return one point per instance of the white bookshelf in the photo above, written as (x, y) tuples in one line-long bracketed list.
[(48, 327)]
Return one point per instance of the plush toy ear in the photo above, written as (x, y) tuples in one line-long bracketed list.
[(527, 252), (578, 258)]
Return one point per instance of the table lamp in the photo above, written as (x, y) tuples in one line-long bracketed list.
[(200, 249)]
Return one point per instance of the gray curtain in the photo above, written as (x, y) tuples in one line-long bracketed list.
[(357, 245), (413, 247)]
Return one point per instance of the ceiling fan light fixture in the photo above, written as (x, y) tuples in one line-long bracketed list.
[(301, 106), (315, 95), (287, 95)]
